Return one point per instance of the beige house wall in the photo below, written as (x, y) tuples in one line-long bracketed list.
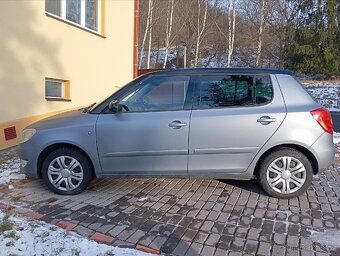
[(35, 46)]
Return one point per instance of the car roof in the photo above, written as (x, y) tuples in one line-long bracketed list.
[(203, 71)]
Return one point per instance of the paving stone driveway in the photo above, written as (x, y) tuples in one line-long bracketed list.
[(195, 216)]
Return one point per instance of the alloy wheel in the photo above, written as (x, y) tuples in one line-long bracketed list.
[(65, 173), (286, 175)]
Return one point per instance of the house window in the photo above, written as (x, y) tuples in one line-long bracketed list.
[(56, 89), (83, 13)]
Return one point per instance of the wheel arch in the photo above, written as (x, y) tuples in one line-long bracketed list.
[(43, 154), (312, 159)]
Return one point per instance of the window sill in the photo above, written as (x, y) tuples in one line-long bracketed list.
[(74, 24), (56, 99)]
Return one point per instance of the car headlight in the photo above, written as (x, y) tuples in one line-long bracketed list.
[(27, 134)]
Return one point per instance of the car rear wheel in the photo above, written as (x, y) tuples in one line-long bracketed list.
[(285, 173), (66, 171)]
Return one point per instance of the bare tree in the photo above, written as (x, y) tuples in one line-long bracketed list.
[(231, 29), (150, 33), (168, 31), (283, 18), (200, 29), (145, 33), (218, 32), (260, 34)]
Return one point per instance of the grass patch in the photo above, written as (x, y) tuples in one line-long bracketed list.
[(75, 252), (12, 235), (5, 224), (10, 244), (16, 198)]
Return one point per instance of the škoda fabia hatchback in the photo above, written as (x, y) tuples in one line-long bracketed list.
[(216, 123)]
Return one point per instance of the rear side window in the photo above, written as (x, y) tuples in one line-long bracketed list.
[(263, 90), (232, 90)]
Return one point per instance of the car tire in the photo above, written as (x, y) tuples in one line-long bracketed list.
[(285, 173), (67, 171)]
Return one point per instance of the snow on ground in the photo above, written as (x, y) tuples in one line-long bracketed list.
[(329, 238), (143, 199), (336, 137), (38, 238), (327, 94), (10, 167)]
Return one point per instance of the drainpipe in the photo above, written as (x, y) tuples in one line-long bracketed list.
[(135, 41)]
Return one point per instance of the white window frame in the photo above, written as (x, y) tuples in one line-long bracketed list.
[(62, 85), (82, 16)]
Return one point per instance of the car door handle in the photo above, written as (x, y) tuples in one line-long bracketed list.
[(177, 124), (266, 120)]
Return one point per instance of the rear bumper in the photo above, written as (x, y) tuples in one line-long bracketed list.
[(324, 151)]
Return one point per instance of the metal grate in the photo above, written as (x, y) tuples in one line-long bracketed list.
[(10, 133)]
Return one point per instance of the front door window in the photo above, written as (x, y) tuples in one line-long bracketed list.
[(163, 93)]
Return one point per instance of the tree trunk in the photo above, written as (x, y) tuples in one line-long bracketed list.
[(168, 32), (231, 30), (150, 35), (145, 35), (200, 30), (157, 56), (260, 39)]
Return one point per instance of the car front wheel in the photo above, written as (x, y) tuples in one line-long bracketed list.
[(285, 173), (66, 171)]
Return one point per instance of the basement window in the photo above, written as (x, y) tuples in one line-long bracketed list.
[(56, 89), (81, 13)]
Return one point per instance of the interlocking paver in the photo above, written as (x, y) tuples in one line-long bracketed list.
[(189, 235), (251, 246), (83, 231), (279, 250), (123, 244), (220, 252), (201, 237), (181, 248), (194, 249), (208, 250), (264, 249), (158, 242), (213, 239), (146, 240), (237, 245), (101, 238)]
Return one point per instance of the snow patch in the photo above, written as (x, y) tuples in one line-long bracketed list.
[(334, 109), (143, 199), (327, 94), (8, 175), (336, 137), (329, 238), (39, 238), (10, 167)]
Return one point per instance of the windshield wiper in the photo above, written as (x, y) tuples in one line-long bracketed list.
[(89, 107)]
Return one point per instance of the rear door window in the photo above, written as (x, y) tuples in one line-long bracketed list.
[(263, 90), (217, 91)]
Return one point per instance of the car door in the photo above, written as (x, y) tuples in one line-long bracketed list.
[(149, 134), (232, 118)]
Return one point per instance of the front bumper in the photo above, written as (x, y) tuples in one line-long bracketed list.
[(28, 160)]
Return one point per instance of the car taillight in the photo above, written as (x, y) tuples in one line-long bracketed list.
[(323, 117)]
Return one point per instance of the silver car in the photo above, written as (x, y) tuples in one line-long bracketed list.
[(217, 123)]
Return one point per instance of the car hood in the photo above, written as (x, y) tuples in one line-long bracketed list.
[(70, 118)]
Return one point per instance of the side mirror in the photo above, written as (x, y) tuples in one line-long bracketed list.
[(114, 106)]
